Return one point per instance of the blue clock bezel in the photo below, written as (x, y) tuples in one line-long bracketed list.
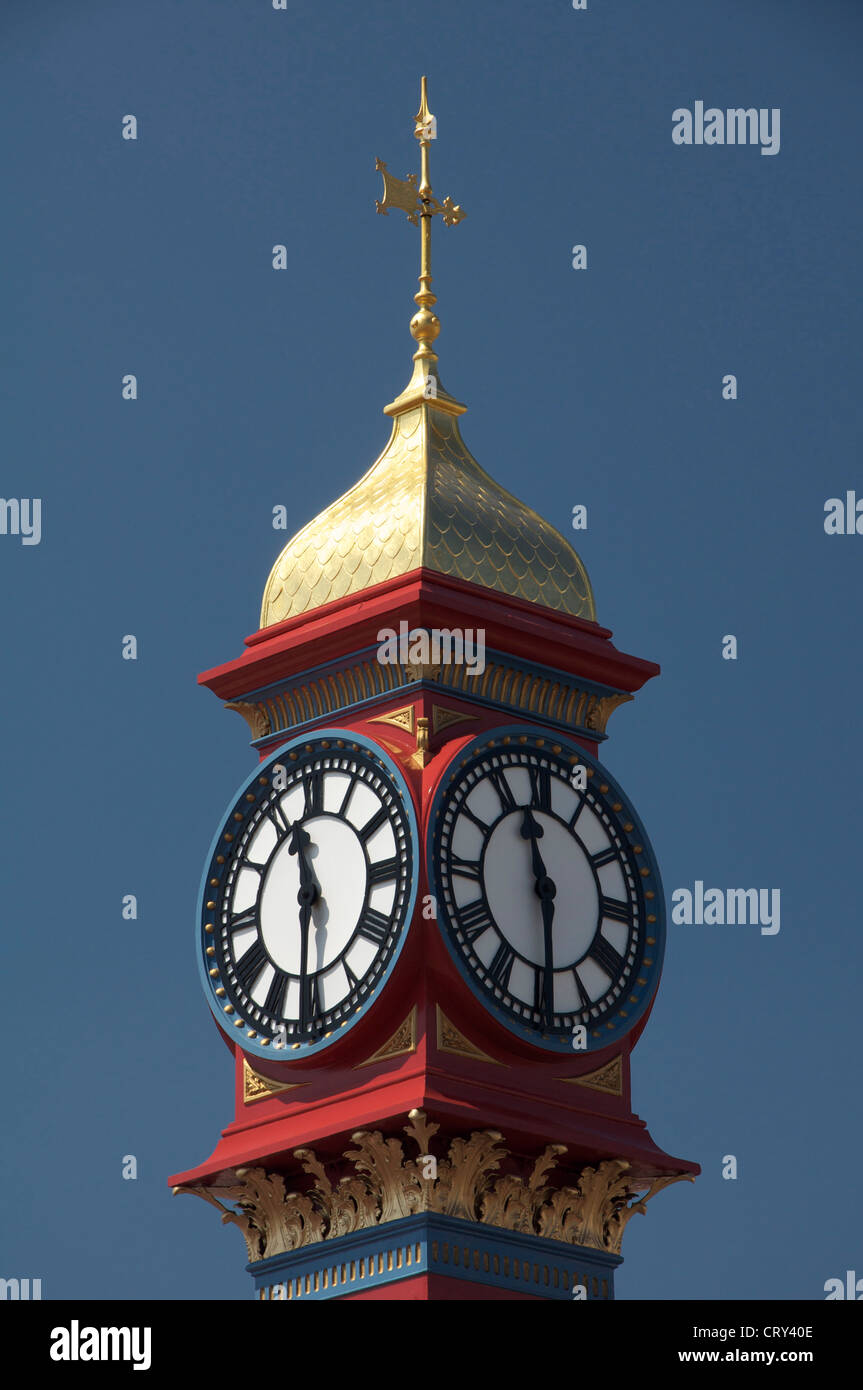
[(314, 741), (651, 950)]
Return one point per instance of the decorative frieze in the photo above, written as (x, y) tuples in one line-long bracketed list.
[(590, 1208), (506, 684)]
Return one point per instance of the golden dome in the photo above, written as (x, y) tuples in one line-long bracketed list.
[(426, 502)]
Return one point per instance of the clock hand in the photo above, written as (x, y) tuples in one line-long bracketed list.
[(546, 890), (546, 900), (308, 894), (531, 830), (305, 919), (300, 841)]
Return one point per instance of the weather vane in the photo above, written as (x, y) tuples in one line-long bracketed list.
[(421, 206)]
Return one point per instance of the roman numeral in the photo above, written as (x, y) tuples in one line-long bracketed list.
[(378, 819), (248, 918), (278, 820), (311, 1006), (481, 825), (606, 957), (313, 791), (577, 812), (543, 994), (615, 909), (374, 926), (275, 1000), (504, 792), (251, 964), (538, 989), (343, 809), (383, 871), (465, 868), (474, 919), (502, 964), (583, 995), (540, 787), (605, 856)]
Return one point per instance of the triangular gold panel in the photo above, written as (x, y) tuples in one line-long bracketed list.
[(608, 1078), (449, 1039), (442, 718), (402, 718), (403, 1040), (257, 1087)]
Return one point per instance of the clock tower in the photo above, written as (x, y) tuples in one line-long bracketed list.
[(431, 925)]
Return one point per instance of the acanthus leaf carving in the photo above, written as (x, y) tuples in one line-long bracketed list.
[(252, 1235), (463, 1178), (514, 1203), (396, 1180), (593, 1210), (349, 1206)]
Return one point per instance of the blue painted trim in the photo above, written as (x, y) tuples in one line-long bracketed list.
[(437, 1245), (265, 692), (292, 686), (621, 1026), (251, 1045)]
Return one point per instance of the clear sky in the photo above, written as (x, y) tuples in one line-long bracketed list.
[(601, 387)]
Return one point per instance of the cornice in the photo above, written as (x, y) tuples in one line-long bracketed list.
[(358, 682), (590, 1207), (426, 599)]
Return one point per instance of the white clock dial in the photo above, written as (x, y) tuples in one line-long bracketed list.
[(313, 893), (542, 888)]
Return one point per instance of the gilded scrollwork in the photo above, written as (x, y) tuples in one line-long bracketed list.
[(514, 1203), (252, 1235), (591, 1209), (349, 1206), (255, 716), (395, 1180), (463, 1178), (596, 1210)]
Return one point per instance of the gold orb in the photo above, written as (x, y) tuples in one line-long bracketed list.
[(425, 326)]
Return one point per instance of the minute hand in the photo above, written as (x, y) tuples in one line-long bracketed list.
[(307, 895), (546, 889), (532, 830), (300, 841)]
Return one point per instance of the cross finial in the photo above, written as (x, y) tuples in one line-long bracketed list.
[(420, 206)]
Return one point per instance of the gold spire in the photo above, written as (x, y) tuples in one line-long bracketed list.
[(420, 205), (426, 502)]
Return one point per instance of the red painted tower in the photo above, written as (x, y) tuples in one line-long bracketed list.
[(431, 924)]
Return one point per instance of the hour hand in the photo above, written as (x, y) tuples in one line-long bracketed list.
[(298, 842), (530, 826), (532, 830)]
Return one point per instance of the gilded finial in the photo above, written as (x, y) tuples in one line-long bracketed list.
[(420, 206)]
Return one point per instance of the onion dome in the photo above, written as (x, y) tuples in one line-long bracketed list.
[(425, 503)]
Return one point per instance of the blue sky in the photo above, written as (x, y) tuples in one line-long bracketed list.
[(600, 387)]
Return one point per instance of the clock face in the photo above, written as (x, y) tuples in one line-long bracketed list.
[(547, 890), (307, 894)]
